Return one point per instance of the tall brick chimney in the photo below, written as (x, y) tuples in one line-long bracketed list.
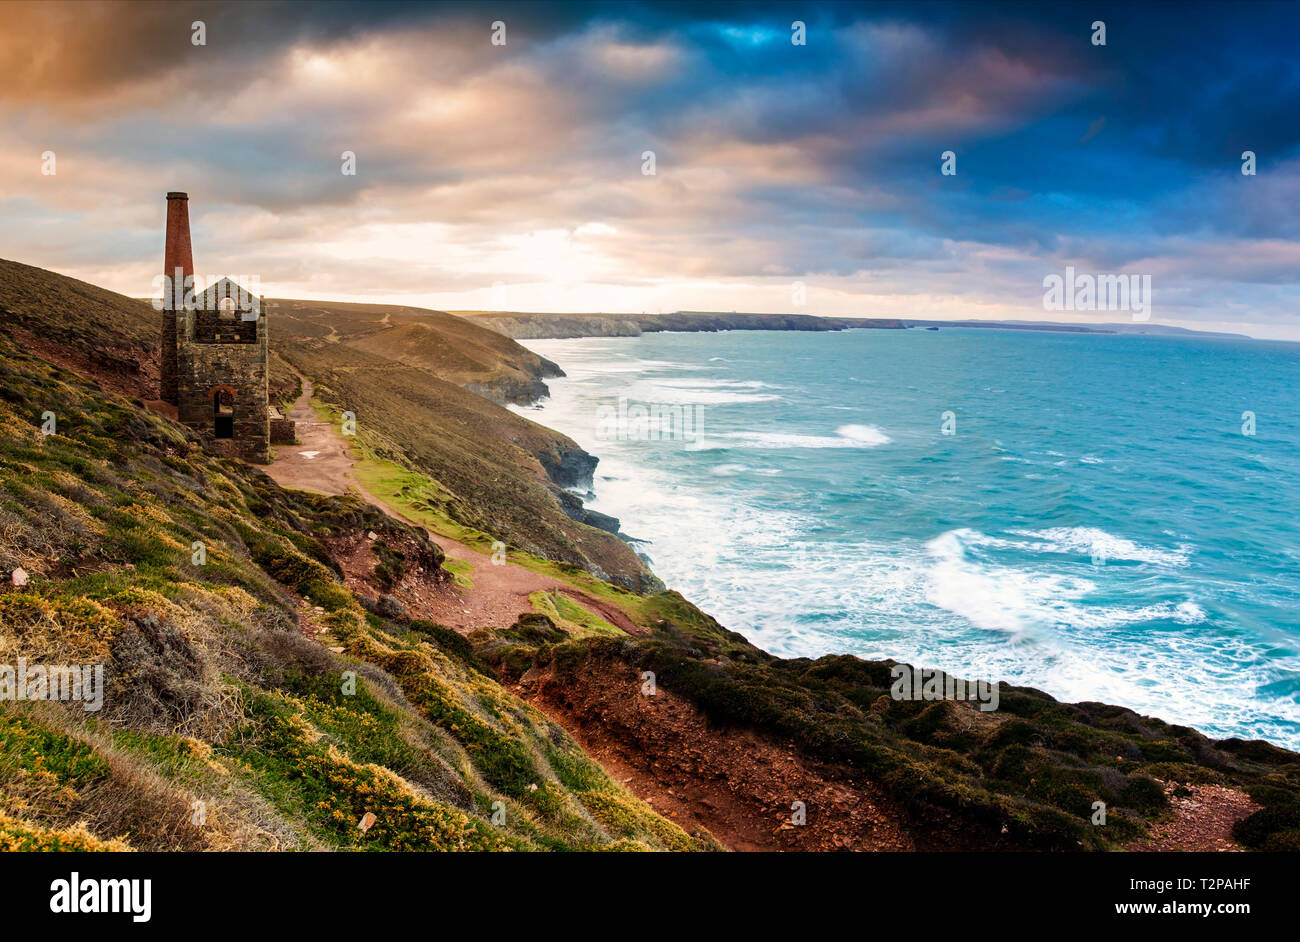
[(178, 263)]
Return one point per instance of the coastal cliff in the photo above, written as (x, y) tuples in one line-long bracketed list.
[(297, 680)]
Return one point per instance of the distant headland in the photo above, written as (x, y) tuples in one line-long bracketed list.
[(522, 325)]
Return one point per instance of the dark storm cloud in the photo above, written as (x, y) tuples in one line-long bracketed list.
[(774, 161)]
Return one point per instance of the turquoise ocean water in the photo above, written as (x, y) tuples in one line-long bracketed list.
[(1097, 525)]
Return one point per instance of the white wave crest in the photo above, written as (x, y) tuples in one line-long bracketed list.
[(1018, 601), (846, 436)]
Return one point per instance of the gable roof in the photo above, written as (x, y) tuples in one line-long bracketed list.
[(246, 303)]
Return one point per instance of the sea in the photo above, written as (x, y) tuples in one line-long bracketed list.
[(1103, 517)]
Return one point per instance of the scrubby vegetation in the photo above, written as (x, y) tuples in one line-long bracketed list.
[(79, 318), (224, 726), (1024, 776)]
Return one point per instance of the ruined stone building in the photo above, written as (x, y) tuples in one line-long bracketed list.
[(214, 353)]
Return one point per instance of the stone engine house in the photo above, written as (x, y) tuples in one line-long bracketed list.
[(214, 353)]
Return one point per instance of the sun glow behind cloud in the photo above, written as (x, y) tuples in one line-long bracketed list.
[(488, 172)]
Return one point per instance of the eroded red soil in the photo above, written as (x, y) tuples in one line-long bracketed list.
[(736, 784)]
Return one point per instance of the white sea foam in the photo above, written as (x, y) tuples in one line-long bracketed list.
[(1021, 600), (846, 436), (1093, 541), (991, 597), (700, 391), (693, 383)]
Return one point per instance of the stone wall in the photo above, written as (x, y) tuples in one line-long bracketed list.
[(208, 352), (283, 432), (240, 369), (223, 327)]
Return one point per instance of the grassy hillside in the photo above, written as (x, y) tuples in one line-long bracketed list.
[(417, 382), (417, 379), (223, 685), (1026, 776), (482, 466), (95, 331), (460, 352)]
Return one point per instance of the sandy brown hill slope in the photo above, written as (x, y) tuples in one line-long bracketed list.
[(452, 348), (82, 326)]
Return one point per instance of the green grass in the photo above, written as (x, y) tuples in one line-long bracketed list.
[(413, 495), (460, 572), (307, 778), (423, 500), (30, 749), (570, 616)]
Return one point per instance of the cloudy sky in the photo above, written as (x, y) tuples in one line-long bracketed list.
[(511, 176)]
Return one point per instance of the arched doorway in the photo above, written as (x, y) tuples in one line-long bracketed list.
[(223, 412)]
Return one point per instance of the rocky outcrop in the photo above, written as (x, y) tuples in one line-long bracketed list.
[(519, 390), (510, 390), (570, 468), (572, 505)]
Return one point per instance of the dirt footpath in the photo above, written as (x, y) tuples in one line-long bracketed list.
[(323, 463)]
